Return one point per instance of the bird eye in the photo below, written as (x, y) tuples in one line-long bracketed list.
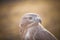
[(30, 18)]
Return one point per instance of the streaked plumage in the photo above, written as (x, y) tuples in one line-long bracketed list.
[(32, 28)]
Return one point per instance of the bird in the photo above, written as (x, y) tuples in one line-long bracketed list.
[(32, 28)]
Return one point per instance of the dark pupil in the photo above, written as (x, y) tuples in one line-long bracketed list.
[(30, 17)]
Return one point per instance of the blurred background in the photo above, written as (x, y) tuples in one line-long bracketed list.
[(11, 12)]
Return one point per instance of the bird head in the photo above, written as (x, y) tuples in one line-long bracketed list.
[(29, 18)]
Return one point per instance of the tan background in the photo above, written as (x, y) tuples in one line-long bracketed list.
[(11, 12)]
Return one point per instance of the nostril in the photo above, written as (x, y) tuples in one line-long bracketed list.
[(25, 18)]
